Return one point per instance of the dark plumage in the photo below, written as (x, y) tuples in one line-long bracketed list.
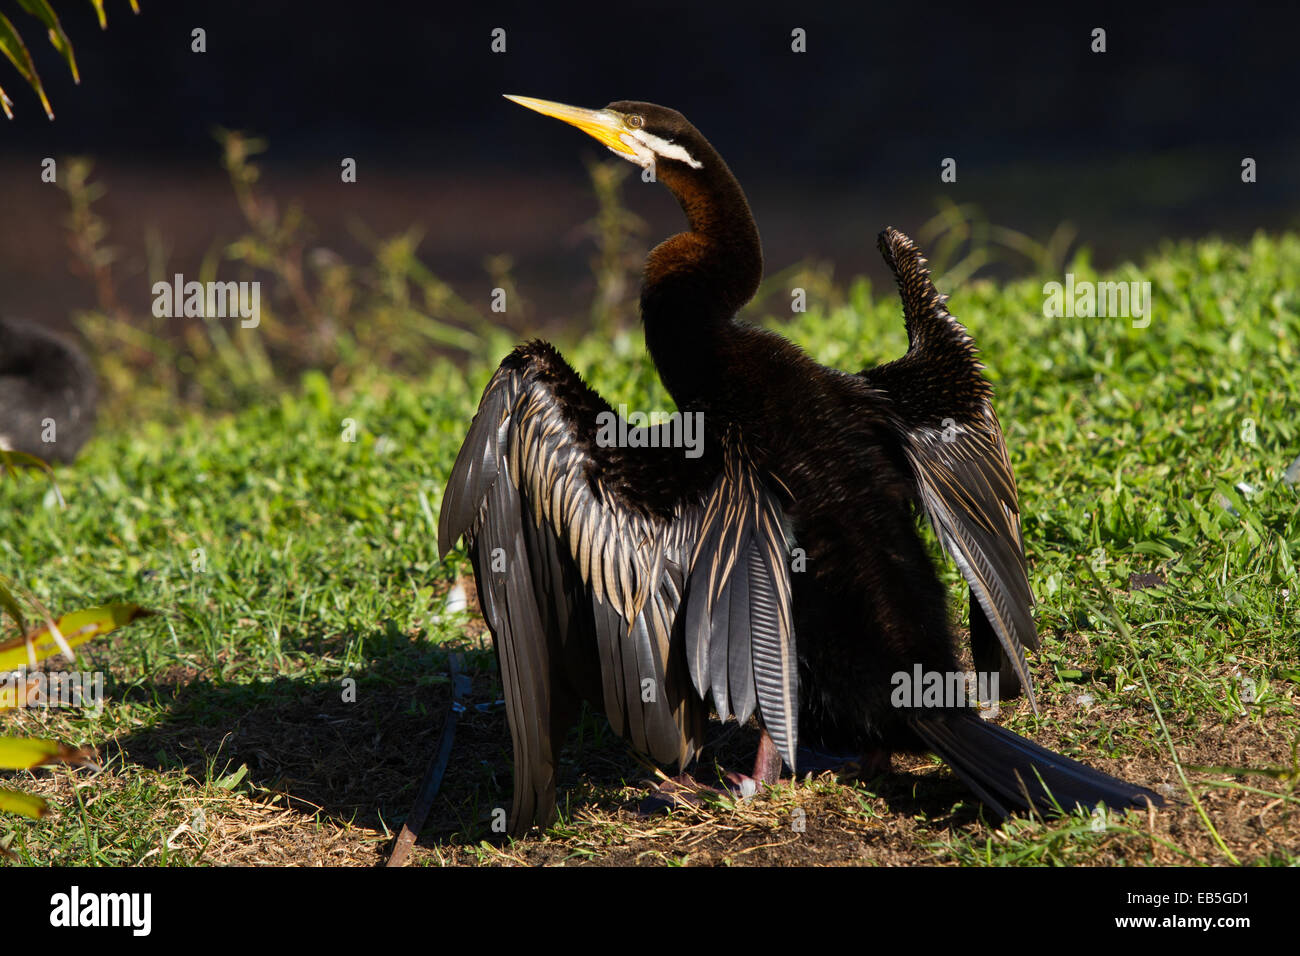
[(647, 582), (44, 379)]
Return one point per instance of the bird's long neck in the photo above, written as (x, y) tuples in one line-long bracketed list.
[(697, 280)]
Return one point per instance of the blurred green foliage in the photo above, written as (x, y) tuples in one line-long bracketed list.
[(14, 48)]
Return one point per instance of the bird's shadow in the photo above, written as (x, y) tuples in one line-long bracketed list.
[(351, 749), (355, 753)]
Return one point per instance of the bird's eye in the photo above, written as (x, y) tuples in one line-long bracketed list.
[(635, 122)]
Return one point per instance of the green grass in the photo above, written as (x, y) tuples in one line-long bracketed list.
[(285, 559)]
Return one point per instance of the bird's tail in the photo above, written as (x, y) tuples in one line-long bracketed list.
[(1010, 773)]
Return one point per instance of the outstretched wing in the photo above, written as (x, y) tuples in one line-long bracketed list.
[(634, 577), (953, 441)]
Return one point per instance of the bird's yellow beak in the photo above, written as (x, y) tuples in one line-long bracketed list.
[(606, 126)]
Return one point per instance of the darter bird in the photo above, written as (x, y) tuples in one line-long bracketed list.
[(651, 583)]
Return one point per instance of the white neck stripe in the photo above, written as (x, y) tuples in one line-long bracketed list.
[(647, 146)]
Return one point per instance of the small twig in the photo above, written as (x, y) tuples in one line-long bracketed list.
[(460, 688)]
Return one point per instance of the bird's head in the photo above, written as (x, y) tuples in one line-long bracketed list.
[(722, 242), (641, 133)]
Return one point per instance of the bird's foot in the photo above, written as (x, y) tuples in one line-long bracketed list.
[(864, 766), (819, 761), (685, 790), (766, 772), (875, 763), (681, 790), (741, 786)]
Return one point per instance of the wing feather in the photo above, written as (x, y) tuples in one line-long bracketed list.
[(954, 444), (625, 602)]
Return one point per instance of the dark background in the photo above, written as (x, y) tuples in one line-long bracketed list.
[(1142, 142)]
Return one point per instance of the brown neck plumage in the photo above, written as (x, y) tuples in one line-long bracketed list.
[(697, 280)]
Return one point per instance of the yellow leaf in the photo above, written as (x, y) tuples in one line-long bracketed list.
[(23, 753), (12, 46), (13, 801), (76, 628), (42, 10)]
